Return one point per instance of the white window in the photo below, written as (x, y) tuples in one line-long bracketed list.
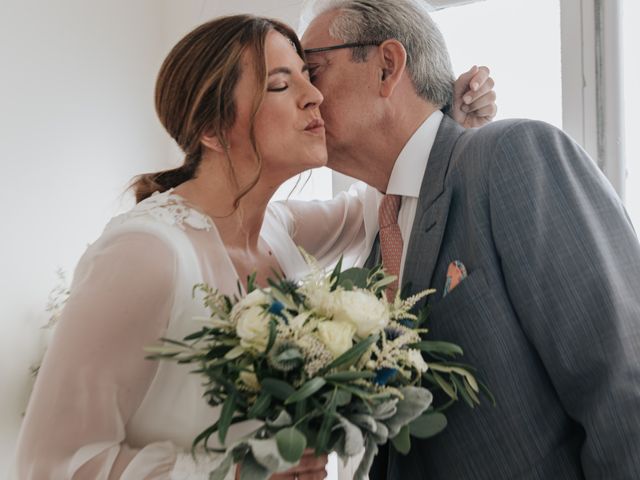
[(631, 103), (520, 41)]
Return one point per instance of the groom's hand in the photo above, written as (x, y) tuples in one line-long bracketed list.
[(474, 100)]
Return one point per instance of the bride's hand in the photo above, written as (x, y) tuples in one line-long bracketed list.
[(474, 100), (309, 468)]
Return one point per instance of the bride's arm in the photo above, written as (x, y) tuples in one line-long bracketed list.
[(94, 374), (327, 229)]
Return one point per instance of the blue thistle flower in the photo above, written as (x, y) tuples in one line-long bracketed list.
[(405, 322), (392, 333), (276, 308), (383, 375)]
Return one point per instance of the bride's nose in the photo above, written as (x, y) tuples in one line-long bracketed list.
[(311, 97)]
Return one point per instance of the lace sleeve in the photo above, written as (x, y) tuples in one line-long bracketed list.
[(94, 374)]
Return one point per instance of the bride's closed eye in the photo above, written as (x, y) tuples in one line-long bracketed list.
[(277, 88)]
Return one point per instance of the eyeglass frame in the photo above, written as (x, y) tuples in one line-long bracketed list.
[(342, 45)]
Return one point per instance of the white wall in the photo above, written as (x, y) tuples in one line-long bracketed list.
[(76, 123)]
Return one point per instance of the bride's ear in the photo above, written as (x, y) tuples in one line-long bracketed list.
[(213, 142)]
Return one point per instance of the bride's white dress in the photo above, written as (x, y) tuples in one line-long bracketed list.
[(99, 409)]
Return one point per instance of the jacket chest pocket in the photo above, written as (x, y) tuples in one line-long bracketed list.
[(465, 295)]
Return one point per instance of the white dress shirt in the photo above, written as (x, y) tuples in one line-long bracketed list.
[(406, 180)]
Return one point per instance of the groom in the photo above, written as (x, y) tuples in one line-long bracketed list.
[(547, 305)]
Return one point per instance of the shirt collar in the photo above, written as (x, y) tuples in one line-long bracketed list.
[(410, 167)]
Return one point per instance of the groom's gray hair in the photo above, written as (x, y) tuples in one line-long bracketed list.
[(407, 21)]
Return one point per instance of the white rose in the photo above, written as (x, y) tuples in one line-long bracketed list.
[(363, 309), (255, 298), (321, 299), (253, 328), (415, 358), (299, 320), (336, 336)]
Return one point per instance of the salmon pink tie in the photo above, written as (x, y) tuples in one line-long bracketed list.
[(390, 239)]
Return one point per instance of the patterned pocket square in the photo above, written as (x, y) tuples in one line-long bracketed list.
[(455, 274)]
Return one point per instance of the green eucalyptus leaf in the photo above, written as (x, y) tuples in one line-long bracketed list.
[(291, 444), (205, 435), (463, 372), (356, 276), (343, 398), (259, 408), (272, 335), (463, 391), (322, 439), (471, 391), (335, 275), (308, 389), (278, 388), (402, 441), (445, 348), (226, 415), (354, 353), (448, 389), (348, 376), (484, 389), (428, 424), (347, 284)]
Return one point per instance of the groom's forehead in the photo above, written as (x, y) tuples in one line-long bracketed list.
[(317, 33)]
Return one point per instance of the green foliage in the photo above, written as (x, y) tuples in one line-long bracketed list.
[(291, 444), (287, 377), (428, 425)]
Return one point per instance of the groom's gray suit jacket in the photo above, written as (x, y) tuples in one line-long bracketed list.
[(550, 311)]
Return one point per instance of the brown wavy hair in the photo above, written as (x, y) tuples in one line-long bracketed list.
[(194, 93)]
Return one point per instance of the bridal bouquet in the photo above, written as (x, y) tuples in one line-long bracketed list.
[(326, 363)]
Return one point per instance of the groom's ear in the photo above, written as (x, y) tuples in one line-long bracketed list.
[(393, 60)]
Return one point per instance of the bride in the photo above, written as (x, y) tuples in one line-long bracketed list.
[(236, 97)]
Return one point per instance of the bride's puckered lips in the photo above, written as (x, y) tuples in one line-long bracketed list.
[(315, 126)]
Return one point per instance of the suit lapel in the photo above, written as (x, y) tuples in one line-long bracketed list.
[(433, 209)]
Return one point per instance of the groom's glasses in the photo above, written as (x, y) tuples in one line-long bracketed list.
[(343, 45)]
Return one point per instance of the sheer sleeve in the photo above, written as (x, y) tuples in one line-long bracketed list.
[(328, 229), (94, 374)]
